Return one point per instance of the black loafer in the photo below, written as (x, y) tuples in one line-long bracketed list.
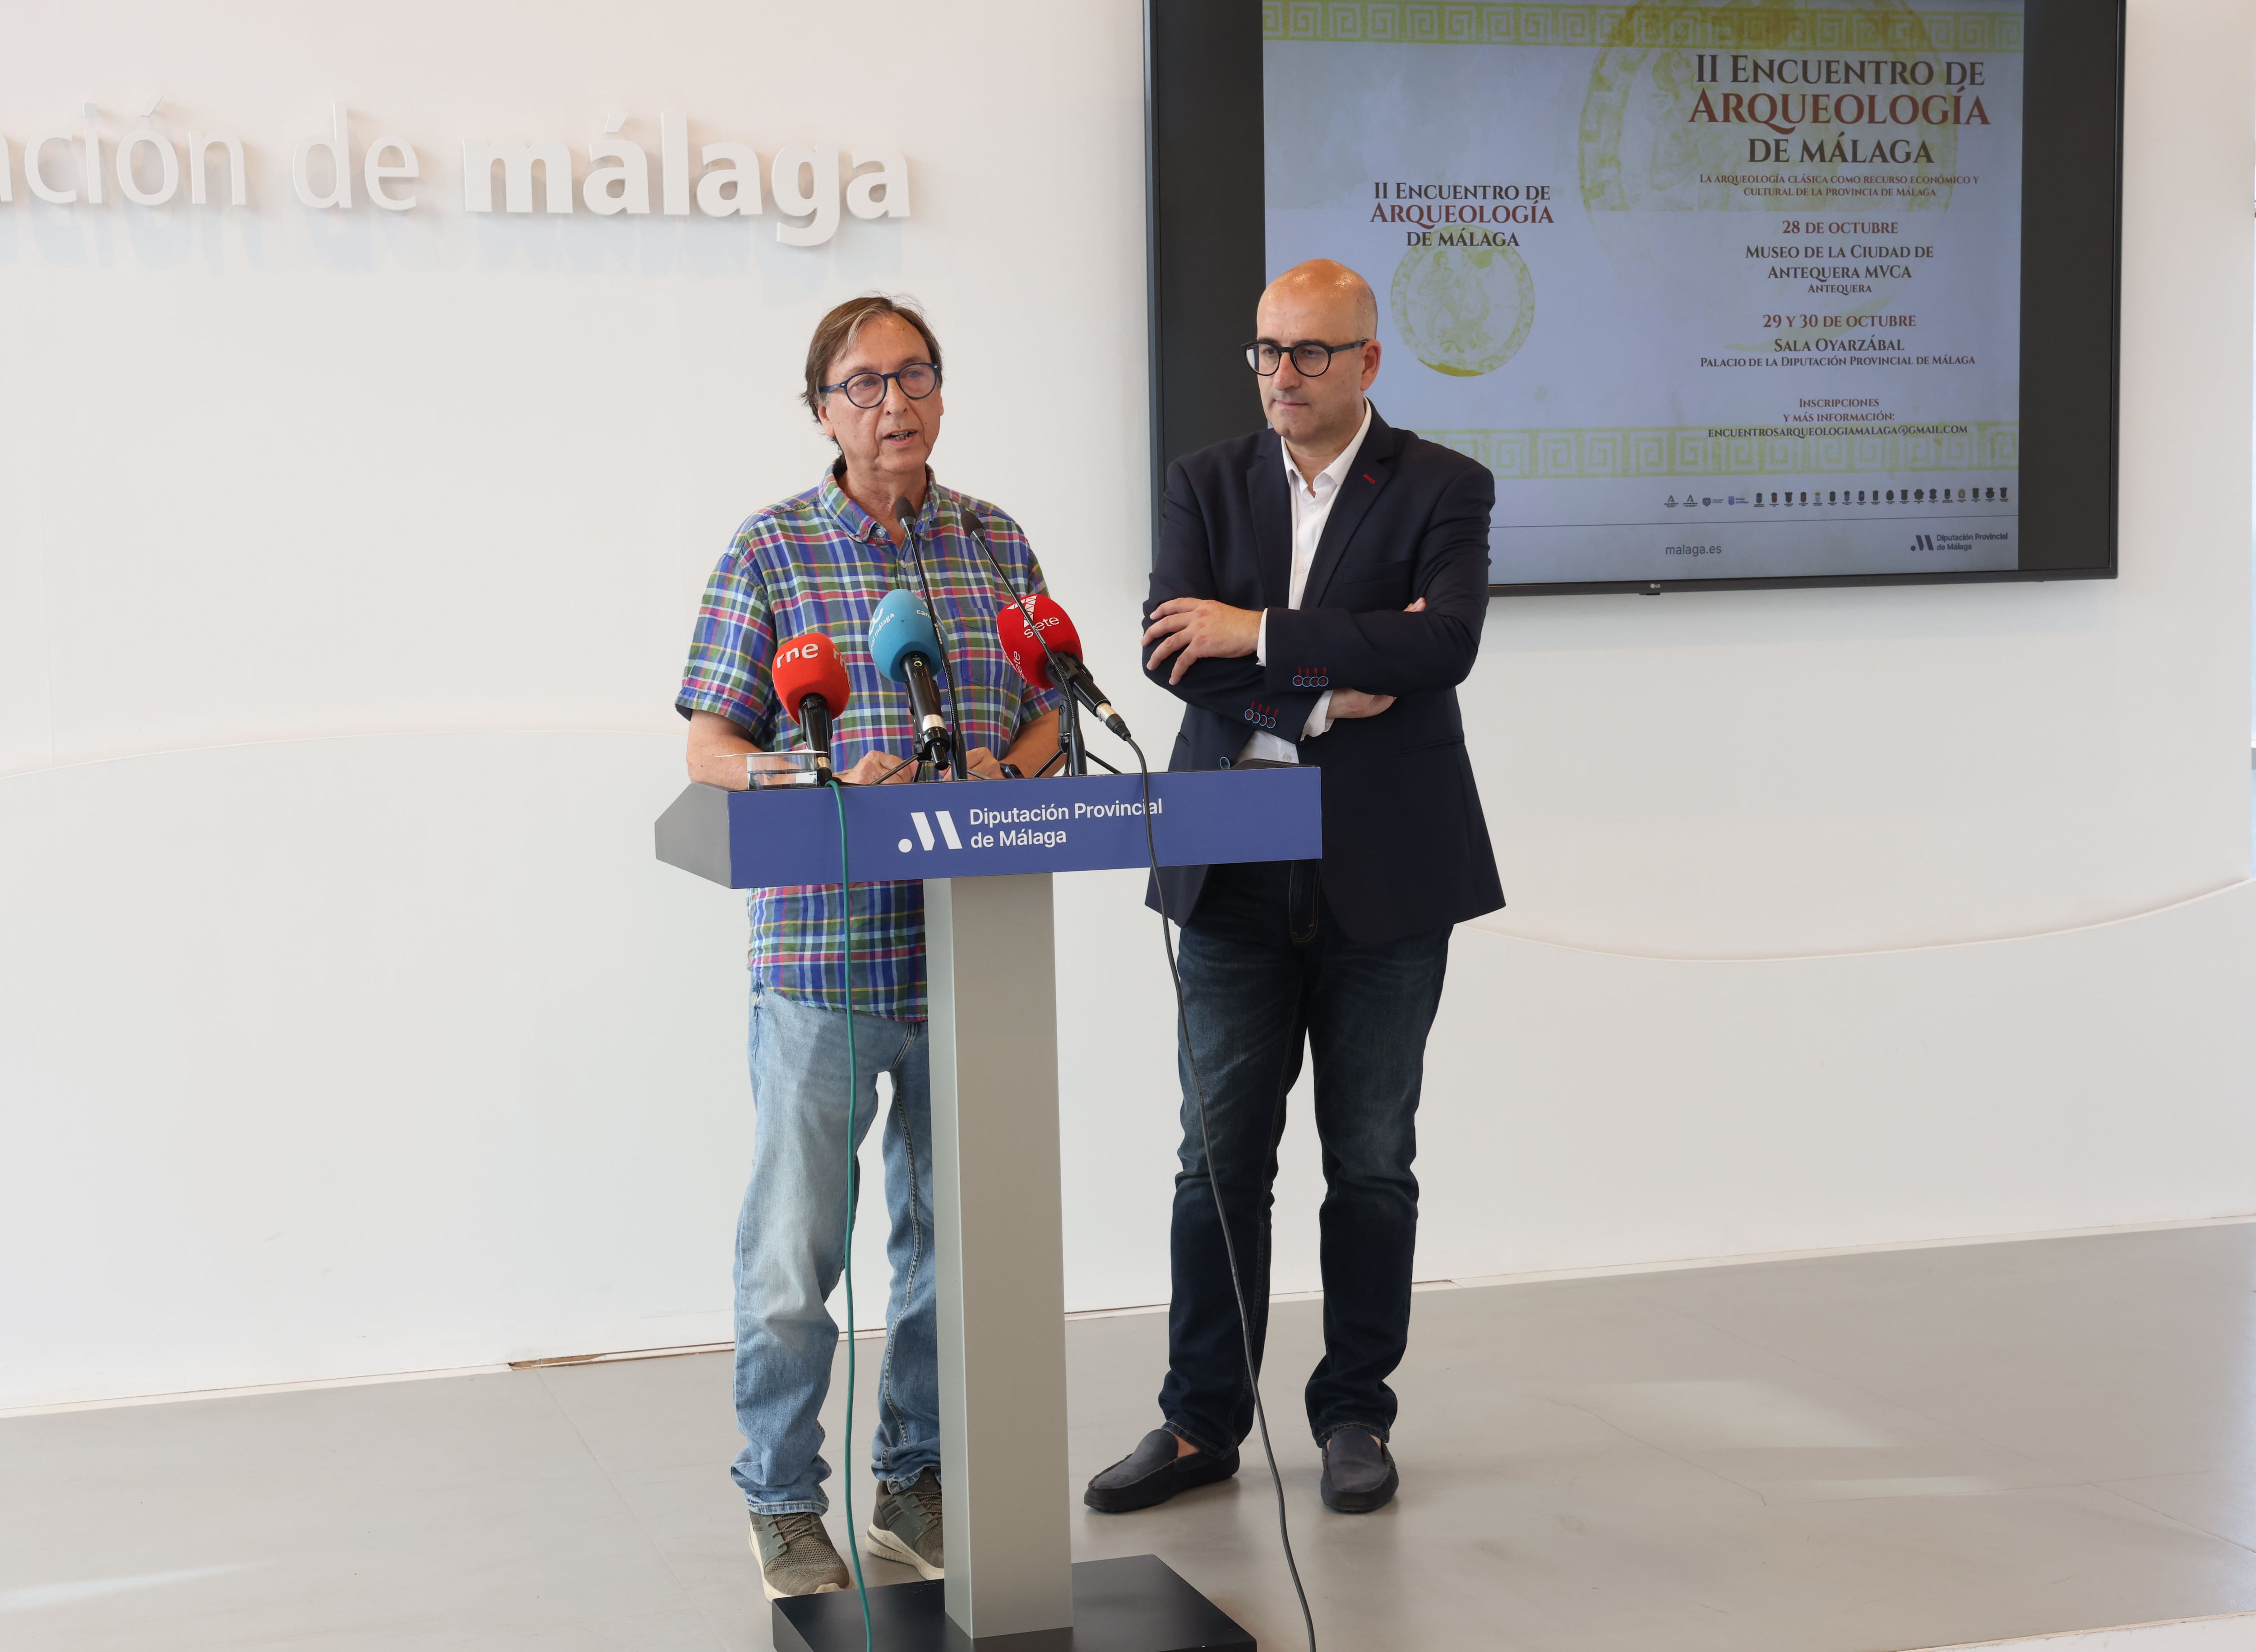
[(1360, 1474), (1153, 1472)]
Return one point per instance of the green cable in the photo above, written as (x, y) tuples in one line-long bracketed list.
[(853, 1167)]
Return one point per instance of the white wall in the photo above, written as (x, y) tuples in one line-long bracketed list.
[(345, 566)]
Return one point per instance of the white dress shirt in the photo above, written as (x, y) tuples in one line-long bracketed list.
[(1311, 508)]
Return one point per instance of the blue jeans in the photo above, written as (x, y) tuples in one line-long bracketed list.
[(1267, 969), (791, 1249)]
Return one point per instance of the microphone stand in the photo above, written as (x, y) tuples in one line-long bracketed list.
[(955, 748), (1076, 755), (1069, 741)]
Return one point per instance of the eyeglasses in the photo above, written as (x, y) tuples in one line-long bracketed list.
[(917, 380), (1310, 358)]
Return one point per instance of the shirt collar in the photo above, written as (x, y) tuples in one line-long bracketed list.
[(860, 524), (1336, 471)]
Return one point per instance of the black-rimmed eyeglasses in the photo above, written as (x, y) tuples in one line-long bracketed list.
[(917, 380), (1310, 358)]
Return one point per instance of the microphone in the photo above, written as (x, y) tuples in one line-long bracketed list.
[(904, 645), (1069, 667), (811, 681), (1043, 647), (905, 514)]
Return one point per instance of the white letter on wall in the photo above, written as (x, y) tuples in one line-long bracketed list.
[(339, 144), (7, 173), (891, 176), (34, 158), (821, 198), (199, 145), (673, 147), (168, 167), (733, 188), (631, 174), (515, 162), (374, 172), (92, 173)]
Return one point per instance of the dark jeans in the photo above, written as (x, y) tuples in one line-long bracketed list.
[(1265, 968)]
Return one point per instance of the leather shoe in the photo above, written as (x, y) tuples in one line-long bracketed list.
[(1153, 1472), (1360, 1474)]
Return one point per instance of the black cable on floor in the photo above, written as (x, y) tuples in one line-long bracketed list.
[(1213, 1187)]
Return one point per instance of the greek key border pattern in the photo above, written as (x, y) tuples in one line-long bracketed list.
[(1539, 23), (1628, 451)]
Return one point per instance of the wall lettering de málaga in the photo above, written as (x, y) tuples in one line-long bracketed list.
[(65, 166)]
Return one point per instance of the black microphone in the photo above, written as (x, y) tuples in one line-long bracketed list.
[(905, 514), (1045, 624)]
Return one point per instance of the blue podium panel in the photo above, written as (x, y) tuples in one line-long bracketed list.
[(756, 839)]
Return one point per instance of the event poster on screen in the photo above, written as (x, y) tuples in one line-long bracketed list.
[(1717, 291)]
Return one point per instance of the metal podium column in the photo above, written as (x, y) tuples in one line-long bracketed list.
[(990, 951)]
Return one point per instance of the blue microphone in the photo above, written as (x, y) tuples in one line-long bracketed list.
[(905, 646)]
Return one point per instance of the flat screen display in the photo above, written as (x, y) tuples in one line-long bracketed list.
[(1720, 294)]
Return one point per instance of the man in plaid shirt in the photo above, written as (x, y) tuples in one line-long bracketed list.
[(822, 560)]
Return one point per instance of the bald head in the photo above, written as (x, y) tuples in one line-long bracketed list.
[(1332, 288), (1319, 411)]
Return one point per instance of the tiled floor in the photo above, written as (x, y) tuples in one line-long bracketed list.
[(1908, 1449)]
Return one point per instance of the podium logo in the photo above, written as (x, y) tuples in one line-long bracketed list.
[(1922, 542), (924, 830)]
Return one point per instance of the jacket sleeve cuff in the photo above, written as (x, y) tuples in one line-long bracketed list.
[(1286, 716), (1286, 670)]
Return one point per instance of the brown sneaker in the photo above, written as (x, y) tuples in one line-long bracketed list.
[(904, 1526), (796, 1555)]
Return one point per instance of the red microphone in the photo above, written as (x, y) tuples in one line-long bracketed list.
[(1050, 638), (811, 681), (1022, 643)]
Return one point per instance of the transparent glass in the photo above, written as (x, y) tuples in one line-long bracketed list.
[(768, 769)]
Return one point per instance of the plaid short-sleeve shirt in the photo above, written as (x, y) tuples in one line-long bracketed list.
[(818, 561)]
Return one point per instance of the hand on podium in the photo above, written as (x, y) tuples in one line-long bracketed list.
[(878, 767)]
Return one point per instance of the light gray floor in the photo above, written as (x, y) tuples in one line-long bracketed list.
[(1885, 1451)]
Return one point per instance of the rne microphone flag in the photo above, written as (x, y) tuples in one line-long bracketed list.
[(808, 666), (811, 681)]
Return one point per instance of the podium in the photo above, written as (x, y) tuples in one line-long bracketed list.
[(986, 851)]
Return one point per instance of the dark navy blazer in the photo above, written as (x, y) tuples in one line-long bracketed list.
[(1406, 847)]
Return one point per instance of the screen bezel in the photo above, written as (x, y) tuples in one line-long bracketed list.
[(1207, 264)]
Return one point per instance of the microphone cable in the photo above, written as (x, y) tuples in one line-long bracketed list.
[(1222, 1214), (1198, 1084), (853, 1169), (956, 750)]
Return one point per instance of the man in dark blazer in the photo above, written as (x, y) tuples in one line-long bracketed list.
[(1318, 596)]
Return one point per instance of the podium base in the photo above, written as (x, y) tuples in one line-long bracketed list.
[(1136, 1603)]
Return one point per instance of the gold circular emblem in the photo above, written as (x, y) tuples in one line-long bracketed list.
[(1464, 311)]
